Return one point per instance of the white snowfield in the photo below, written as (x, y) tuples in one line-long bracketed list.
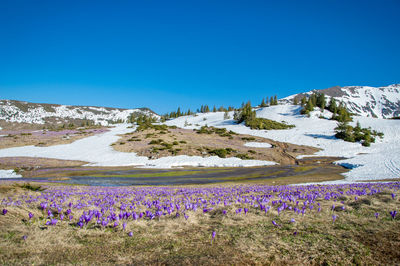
[(8, 174), (96, 150), (379, 161)]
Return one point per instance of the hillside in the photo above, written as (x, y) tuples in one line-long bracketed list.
[(379, 161), (39, 113), (379, 102)]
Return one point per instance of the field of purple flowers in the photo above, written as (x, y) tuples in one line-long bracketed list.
[(247, 224)]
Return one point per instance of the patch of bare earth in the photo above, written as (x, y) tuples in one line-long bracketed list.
[(155, 144), (28, 166), (16, 137)]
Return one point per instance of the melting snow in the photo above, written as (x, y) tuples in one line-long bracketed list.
[(96, 150), (8, 174)]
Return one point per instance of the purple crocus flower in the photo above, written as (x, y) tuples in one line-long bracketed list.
[(186, 216), (4, 212), (393, 214), (245, 210), (130, 234), (334, 217), (224, 212), (24, 237), (292, 220), (393, 195), (213, 235), (30, 215), (124, 226), (376, 215), (274, 223)]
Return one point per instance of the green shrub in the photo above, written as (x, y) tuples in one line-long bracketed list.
[(219, 152), (267, 124), (243, 156), (248, 138), (365, 136)]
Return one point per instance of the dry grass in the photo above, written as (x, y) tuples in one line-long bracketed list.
[(44, 139), (188, 142), (356, 237)]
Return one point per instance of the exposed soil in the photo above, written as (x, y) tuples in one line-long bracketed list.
[(22, 137), (176, 141), (28, 165)]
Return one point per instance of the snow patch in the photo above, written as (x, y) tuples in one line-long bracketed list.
[(8, 174), (258, 145)]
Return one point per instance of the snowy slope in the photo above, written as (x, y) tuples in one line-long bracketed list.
[(380, 161), (96, 150), (25, 112), (380, 102)]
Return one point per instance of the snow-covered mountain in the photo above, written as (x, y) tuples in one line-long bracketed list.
[(380, 102), (37, 113)]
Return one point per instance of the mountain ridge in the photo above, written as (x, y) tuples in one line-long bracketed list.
[(46, 113), (380, 102)]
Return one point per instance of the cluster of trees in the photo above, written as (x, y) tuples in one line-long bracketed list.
[(272, 101), (317, 99), (247, 115), (176, 114), (356, 134), (203, 109), (142, 120)]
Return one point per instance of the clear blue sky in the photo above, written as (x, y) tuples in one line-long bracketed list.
[(165, 54)]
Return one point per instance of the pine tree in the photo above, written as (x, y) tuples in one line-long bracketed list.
[(214, 109), (275, 100), (263, 104), (226, 115), (321, 102), (332, 105), (295, 101), (303, 101), (271, 101)]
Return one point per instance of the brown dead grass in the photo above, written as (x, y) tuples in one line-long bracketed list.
[(188, 142), (357, 237), (44, 140)]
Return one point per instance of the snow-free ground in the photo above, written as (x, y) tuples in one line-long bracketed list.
[(96, 150), (379, 161)]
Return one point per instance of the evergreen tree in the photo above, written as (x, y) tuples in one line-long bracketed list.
[(303, 101), (295, 101), (321, 102), (332, 105), (263, 104), (275, 100), (226, 115), (214, 109), (271, 101)]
